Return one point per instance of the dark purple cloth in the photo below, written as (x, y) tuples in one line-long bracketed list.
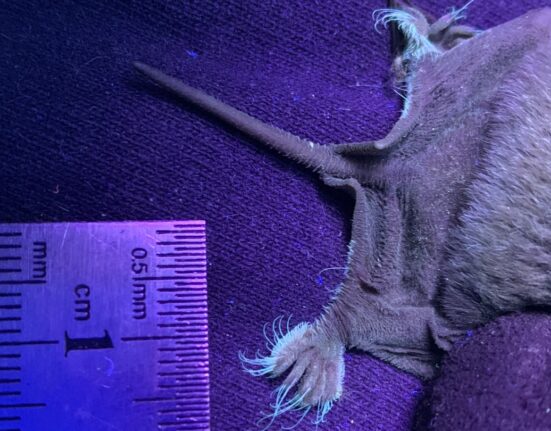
[(83, 137), (497, 378)]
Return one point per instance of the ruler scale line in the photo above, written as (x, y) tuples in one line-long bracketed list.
[(10, 418), (153, 338), (22, 282), (178, 361), (28, 343), (181, 325), (171, 373), (195, 427), (191, 299), (198, 272), (199, 245), (179, 231), (185, 236), (195, 289), (197, 255), (181, 265), (197, 282)]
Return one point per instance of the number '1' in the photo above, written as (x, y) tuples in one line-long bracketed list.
[(91, 343)]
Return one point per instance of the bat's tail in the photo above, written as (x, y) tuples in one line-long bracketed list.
[(317, 157)]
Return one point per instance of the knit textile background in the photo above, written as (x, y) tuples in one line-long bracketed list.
[(84, 137), (497, 378)]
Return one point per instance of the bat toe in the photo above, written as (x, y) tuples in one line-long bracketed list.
[(315, 371)]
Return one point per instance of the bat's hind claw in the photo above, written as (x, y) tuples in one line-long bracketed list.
[(315, 365)]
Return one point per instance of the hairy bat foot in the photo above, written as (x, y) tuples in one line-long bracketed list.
[(316, 367)]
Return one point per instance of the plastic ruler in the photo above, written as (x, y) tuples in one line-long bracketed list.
[(103, 326)]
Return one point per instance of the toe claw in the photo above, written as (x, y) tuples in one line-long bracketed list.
[(317, 363)]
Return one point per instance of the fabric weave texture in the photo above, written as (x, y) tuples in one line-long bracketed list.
[(84, 138)]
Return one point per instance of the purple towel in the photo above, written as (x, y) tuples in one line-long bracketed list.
[(83, 137)]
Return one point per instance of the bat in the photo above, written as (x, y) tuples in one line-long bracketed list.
[(452, 216)]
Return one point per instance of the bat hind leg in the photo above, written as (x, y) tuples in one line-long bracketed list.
[(314, 362)]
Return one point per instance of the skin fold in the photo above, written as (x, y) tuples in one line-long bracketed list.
[(451, 225)]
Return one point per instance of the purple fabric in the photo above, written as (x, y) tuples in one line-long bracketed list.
[(496, 378), (83, 137)]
